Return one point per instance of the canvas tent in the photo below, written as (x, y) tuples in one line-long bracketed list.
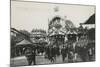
[(24, 43)]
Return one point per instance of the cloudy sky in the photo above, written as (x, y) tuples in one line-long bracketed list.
[(29, 15)]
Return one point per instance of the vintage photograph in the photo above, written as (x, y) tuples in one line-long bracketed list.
[(51, 33)]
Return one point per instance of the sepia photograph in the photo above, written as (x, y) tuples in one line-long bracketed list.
[(43, 33)]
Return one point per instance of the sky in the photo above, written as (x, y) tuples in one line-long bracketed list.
[(33, 15)]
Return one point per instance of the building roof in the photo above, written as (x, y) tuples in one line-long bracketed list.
[(91, 20)]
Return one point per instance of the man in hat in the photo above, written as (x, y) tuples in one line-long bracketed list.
[(64, 53), (30, 55)]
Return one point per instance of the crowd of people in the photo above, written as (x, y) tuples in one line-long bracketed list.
[(69, 53)]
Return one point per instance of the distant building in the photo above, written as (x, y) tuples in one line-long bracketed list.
[(90, 23), (87, 29), (38, 36)]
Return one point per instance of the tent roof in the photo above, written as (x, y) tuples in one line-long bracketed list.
[(24, 42)]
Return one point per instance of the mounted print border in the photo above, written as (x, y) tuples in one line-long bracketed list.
[(51, 33)]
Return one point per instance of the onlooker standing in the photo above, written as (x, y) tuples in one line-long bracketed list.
[(63, 52), (30, 55)]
